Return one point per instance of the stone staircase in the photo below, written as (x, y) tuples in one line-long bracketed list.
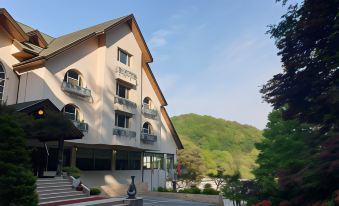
[(59, 191), (56, 190)]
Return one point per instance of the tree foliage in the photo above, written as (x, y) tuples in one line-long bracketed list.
[(224, 144), (17, 182), (308, 89)]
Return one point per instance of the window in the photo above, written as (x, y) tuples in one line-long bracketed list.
[(2, 81), (72, 112), (122, 91), (74, 78), (147, 161), (147, 128), (147, 103), (123, 57), (121, 120), (153, 161), (127, 160), (94, 159)]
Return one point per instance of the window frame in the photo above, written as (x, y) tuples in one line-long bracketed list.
[(126, 121), (126, 88), (79, 80), (128, 56), (76, 113)]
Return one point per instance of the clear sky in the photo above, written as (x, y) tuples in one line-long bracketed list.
[(210, 56)]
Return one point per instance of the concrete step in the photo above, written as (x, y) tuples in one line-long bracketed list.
[(53, 183), (61, 197), (56, 186), (51, 190), (51, 179), (62, 201), (60, 193), (103, 202)]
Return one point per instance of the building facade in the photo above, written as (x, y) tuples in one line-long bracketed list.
[(100, 78)]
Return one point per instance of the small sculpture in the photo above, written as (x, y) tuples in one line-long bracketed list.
[(132, 190)]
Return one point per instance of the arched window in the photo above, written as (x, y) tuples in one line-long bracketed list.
[(2, 81), (147, 103), (73, 77), (72, 112), (147, 128)]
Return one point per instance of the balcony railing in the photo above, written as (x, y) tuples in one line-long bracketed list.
[(124, 132), (148, 111), (82, 126), (145, 136), (125, 73), (123, 101), (78, 90)]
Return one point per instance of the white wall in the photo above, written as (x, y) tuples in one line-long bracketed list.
[(7, 60)]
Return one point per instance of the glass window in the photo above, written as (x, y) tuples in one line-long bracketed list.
[(122, 91), (72, 112), (123, 57), (121, 120), (73, 77), (94, 159), (2, 81), (147, 103), (146, 128), (147, 161), (127, 160)]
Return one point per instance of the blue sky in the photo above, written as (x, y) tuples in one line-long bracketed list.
[(210, 56)]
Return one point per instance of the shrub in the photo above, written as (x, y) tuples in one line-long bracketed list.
[(95, 191), (72, 171), (210, 191), (161, 189), (207, 185), (17, 182), (192, 190)]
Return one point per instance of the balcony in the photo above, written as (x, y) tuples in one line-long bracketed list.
[(82, 126), (148, 138), (74, 89), (124, 105), (152, 113), (126, 76), (124, 133)]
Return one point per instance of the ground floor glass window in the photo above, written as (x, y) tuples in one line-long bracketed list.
[(128, 160), (94, 159)]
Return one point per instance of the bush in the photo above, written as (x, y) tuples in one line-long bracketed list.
[(17, 183), (207, 186), (95, 191), (210, 191), (161, 189), (192, 190), (72, 171)]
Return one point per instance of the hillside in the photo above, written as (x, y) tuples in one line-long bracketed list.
[(222, 143)]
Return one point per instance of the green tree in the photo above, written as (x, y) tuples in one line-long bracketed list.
[(233, 189), (192, 166), (308, 41), (219, 177), (17, 182), (283, 153)]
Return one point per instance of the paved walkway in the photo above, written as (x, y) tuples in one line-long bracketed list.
[(161, 201)]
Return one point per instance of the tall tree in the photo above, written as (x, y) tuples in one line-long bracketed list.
[(308, 41), (17, 182)]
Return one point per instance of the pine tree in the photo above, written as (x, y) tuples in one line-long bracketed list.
[(17, 183)]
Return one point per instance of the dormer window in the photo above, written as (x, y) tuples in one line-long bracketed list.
[(123, 57), (74, 78)]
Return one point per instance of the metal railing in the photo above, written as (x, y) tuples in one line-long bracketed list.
[(78, 90), (126, 73), (124, 101), (124, 133), (145, 136), (148, 111), (82, 126)]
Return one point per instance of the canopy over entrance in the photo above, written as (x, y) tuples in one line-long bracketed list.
[(45, 106)]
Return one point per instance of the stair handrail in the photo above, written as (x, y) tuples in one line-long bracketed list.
[(85, 190)]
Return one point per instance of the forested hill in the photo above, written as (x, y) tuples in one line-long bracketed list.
[(222, 143)]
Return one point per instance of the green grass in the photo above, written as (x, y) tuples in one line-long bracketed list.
[(223, 143)]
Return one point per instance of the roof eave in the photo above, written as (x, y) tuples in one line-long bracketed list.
[(13, 28)]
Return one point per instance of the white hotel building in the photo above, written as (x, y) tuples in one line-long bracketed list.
[(101, 79)]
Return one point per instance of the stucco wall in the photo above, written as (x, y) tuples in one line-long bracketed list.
[(7, 60)]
